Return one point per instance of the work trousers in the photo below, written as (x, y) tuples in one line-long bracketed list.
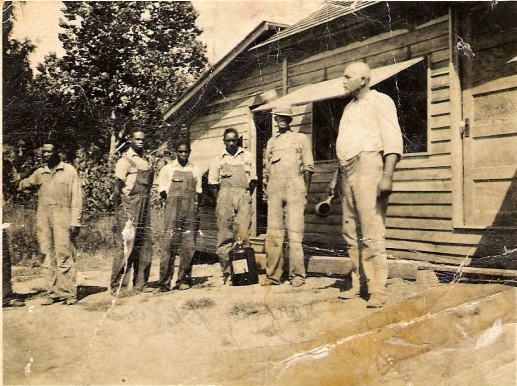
[(138, 208), (363, 219), (286, 205), (178, 238), (233, 222), (53, 233)]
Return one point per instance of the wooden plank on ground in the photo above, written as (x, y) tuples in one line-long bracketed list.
[(329, 265)]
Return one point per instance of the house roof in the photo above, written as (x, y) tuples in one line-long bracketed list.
[(328, 12), (197, 89)]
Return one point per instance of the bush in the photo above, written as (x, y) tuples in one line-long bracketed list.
[(21, 235)]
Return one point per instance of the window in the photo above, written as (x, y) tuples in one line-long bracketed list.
[(325, 125), (408, 89)]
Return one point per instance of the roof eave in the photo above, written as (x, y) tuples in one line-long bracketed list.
[(220, 65), (280, 37)]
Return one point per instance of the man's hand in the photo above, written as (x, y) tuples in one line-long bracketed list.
[(29, 172), (214, 190), (114, 226), (386, 183), (385, 187), (74, 232), (163, 198), (331, 190)]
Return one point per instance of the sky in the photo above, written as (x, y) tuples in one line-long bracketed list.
[(224, 22)]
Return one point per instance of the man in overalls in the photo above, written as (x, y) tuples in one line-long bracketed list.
[(131, 198), (57, 221), (289, 168), (232, 177), (179, 185)]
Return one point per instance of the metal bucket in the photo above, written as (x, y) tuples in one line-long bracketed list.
[(323, 208)]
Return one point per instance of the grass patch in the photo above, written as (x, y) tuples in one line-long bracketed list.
[(245, 309), (196, 304)]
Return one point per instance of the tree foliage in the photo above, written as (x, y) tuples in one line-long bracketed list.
[(17, 101), (124, 63)]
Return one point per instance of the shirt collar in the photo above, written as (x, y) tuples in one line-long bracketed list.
[(132, 153), (278, 133), (60, 166), (176, 164), (369, 95), (239, 151)]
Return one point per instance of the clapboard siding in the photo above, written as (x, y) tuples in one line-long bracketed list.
[(427, 224), (419, 218), (360, 51)]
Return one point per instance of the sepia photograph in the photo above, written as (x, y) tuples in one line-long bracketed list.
[(259, 192)]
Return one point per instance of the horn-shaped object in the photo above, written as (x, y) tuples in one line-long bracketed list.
[(323, 208)]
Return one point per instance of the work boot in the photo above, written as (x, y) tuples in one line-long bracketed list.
[(49, 300), (376, 300), (297, 282), (268, 283), (227, 279), (183, 286), (70, 301), (13, 303), (161, 290), (352, 293)]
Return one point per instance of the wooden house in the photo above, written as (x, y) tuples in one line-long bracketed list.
[(448, 67)]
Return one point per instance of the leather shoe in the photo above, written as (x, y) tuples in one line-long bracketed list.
[(376, 301), (350, 294)]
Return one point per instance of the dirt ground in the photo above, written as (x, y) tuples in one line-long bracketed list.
[(452, 334)]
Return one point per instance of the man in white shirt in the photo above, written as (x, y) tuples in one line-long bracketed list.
[(369, 145), (232, 178), (179, 185)]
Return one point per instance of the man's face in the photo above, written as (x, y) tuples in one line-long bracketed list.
[(353, 80), (48, 152), (137, 142), (282, 122), (231, 140), (183, 152)]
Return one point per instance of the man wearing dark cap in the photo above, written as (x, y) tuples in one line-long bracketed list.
[(57, 221), (289, 168)]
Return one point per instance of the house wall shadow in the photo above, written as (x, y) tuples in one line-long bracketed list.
[(498, 245)]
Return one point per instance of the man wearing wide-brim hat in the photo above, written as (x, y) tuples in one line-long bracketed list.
[(289, 167)]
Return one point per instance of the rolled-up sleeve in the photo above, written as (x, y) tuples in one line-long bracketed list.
[(389, 127), (121, 169), (164, 178), (252, 167), (267, 161), (199, 180), (307, 158), (76, 205), (213, 173), (30, 182)]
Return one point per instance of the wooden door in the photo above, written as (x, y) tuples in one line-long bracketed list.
[(490, 113)]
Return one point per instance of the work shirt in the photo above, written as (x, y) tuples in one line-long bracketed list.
[(288, 154), (370, 125), (58, 189), (167, 173), (241, 158), (126, 172)]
